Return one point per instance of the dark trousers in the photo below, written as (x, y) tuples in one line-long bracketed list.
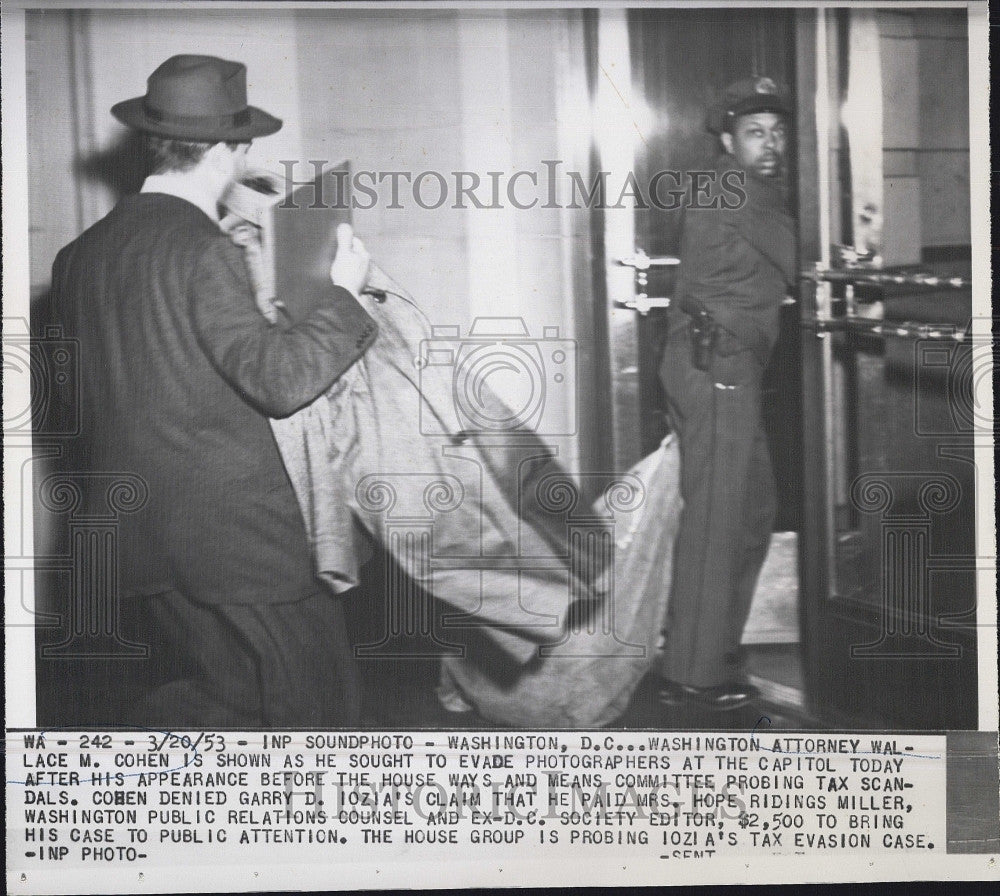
[(239, 665), (729, 507)]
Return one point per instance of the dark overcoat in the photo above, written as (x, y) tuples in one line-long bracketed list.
[(178, 373)]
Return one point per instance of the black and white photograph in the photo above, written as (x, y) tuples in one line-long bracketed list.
[(519, 381)]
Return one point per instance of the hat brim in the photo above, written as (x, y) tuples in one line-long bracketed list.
[(719, 119), (761, 104), (257, 123)]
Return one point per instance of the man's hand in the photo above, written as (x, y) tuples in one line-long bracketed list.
[(350, 267)]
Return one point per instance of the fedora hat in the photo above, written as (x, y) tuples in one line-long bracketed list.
[(199, 98)]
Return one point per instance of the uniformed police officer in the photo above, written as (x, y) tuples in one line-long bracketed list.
[(737, 262)]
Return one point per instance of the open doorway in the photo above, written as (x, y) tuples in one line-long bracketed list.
[(680, 61), (865, 615)]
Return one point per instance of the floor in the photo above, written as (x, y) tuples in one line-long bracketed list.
[(400, 694), (400, 690)]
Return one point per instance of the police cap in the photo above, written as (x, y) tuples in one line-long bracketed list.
[(744, 97)]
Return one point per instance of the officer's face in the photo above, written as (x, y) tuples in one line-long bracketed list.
[(758, 143)]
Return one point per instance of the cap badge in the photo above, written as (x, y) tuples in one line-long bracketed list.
[(765, 85)]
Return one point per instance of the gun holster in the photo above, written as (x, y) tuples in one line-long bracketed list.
[(703, 332)]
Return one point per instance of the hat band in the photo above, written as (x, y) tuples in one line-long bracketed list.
[(212, 122), (749, 108)]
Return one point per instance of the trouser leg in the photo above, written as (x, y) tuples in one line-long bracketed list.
[(240, 665), (306, 669), (717, 416), (198, 673), (759, 509)]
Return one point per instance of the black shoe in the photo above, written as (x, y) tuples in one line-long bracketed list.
[(731, 695)]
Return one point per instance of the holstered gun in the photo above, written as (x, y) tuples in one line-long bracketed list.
[(702, 331)]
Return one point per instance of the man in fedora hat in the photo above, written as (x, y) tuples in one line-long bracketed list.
[(179, 375), (737, 263)]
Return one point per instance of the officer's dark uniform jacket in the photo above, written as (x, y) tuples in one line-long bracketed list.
[(738, 262), (178, 369)]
